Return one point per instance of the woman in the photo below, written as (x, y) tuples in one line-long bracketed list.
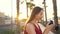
[(32, 27)]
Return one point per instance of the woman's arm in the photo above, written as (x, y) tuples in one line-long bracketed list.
[(45, 31), (30, 29)]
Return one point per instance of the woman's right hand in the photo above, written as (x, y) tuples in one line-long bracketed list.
[(50, 27)]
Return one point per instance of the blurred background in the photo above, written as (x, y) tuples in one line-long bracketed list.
[(14, 13)]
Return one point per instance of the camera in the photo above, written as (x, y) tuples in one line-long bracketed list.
[(51, 22)]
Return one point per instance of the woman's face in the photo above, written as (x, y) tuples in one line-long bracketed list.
[(39, 15)]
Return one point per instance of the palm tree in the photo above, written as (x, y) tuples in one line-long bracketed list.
[(55, 12), (18, 23), (55, 15), (29, 5), (45, 10), (31, 0)]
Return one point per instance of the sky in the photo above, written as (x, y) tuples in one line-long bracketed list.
[(8, 7), (5, 6)]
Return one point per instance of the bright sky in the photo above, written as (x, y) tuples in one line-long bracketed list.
[(9, 7), (5, 6)]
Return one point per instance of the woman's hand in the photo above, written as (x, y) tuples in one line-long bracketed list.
[(49, 28)]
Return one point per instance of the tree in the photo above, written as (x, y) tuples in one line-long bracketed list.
[(8, 31), (2, 14), (18, 22), (44, 2), (29, 5), (2, 20)]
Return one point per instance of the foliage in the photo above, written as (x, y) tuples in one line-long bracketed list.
[(8, 31)]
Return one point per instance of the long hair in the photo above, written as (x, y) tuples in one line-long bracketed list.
[(35, 11)]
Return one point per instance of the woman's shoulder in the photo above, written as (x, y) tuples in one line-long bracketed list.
[(29, 25)]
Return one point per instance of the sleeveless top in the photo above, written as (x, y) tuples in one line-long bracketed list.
[(37, 30)]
